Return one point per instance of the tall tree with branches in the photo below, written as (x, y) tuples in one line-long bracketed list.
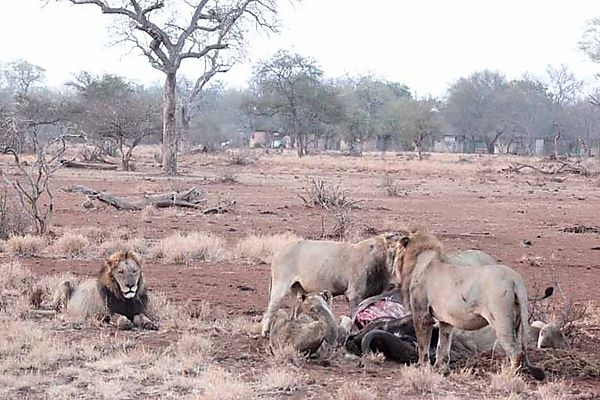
[(168, 33)]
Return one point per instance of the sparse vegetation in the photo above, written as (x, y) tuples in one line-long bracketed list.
[(13, 220), (420, 380), (229, 177), (196, 246), (391, 186), (319, 193), (241, 157), (507, 381), (354, 391), (202, 347), (26, 246), (262, 247), (343, 223), (71, 245)]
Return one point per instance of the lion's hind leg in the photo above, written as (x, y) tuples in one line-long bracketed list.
[(442, 355), (309, 337), (62, 295)]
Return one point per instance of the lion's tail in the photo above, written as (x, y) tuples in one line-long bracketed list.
[(521, 294)]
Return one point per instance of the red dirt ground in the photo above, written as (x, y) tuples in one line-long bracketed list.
[(468, 205)]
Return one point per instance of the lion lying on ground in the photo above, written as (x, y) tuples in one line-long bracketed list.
[(117, 294), (312, 322), (357, 270), (468, 297)]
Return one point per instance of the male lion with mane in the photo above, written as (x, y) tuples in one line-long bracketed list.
[(117, 294), (357, 270), (464, 296)]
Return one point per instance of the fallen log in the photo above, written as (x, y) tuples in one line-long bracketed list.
[(191, 198), (557, 167), (86, 165)]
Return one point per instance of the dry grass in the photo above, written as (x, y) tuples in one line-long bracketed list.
[(391, 187), (182, 248), (287, 355), (241, 157), (16, 282), (219, 384), (280, 379), (420, 380), (507, 381), (195, 345), (13, 219), (26, 246), (554, 391), (373, 359), (95, 234), (71, 245), (263, 247), (39, 359), (149, 213), (138, 245), (354, 391)]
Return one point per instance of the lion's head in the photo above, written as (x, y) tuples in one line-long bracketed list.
[(407, 250), (314, 303), (122, 274)]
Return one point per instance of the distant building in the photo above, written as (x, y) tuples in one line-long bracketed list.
[(451, 144), (264, 139), (259, 139)]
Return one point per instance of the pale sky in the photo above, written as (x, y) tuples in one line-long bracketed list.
[(426, 44)]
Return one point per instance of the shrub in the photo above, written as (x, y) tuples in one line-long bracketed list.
[(71, 245), (262, 247), (319, 193), (26, 246), (196, 246)]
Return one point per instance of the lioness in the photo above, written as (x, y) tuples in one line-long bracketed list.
[(468, 297), (312, 322), (357, 270), (117, 294)]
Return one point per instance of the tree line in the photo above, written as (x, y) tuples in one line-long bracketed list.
[(289, 94)]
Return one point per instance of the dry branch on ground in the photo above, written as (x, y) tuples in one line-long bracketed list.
[(191, 198), (552, 168), (88, 165)]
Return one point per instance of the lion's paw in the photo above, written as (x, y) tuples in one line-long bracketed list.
[(123, 323)]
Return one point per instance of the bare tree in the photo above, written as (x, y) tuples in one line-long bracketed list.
[(20, 76), (169, 34), (32, 183), (564, 85), (116, 112), (191, 92), (590, 40), (566, 90)]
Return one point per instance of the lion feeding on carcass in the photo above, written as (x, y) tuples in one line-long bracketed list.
[(357, 270), (463, 296)]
